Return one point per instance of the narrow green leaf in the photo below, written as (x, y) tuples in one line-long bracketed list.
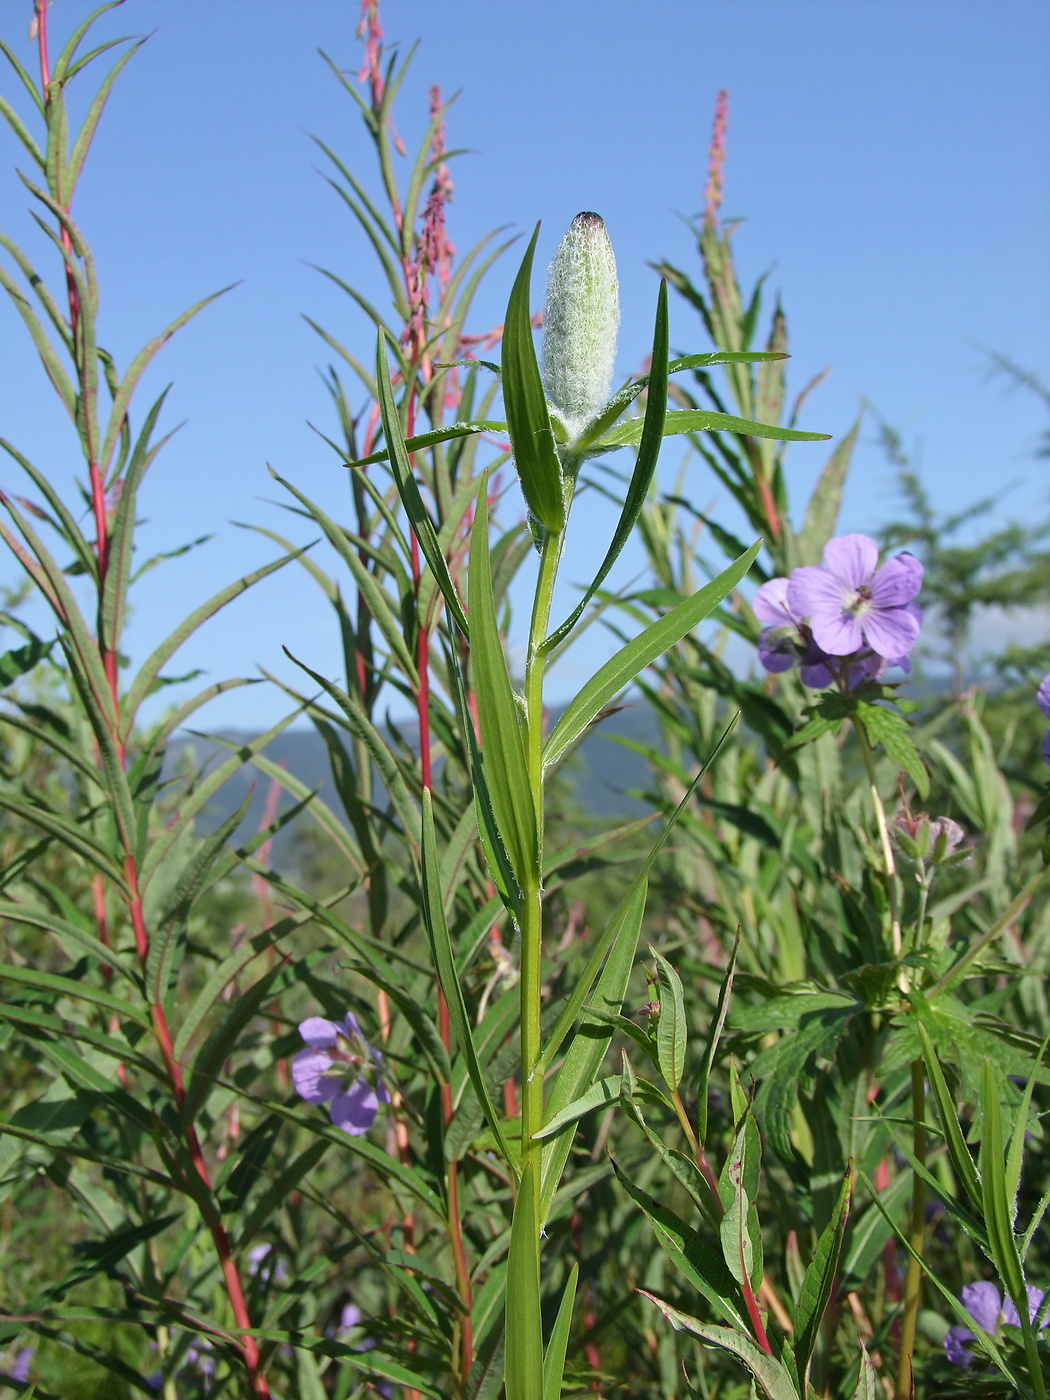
[(155, 662), (958, 1152), (499, 717), (697, 420), (690, 1253), (67, 932), (671, 1027), (819, 1280), (995, 1201), (822, 512), (366, 581), (523, 1368), (599, 1095), (713, 1037), (528, 421), (587, 1050), (71, 987), (554, 1358), (774, 1379), (417, 513), (444, 962), (638, 653), (867, 1379)]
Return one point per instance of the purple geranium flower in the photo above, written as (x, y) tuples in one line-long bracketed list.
[(987, 1306), (341, 1069), (851, 602), (788, 639), (18, 1366), (1042, 698)]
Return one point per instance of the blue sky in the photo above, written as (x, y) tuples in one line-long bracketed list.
[(888, 158)]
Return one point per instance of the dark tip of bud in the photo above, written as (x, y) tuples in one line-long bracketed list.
[(589, 219)]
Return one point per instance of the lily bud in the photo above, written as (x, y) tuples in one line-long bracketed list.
[(580, 323)]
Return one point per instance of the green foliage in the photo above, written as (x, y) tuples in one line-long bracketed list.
[(702, 1171)]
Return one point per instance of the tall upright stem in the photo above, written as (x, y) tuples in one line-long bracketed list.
[(884, 837), (532, 911)]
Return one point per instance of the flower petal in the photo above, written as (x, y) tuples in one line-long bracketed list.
[(958, 1354), (770, 603), (837, 633), (898, 581), (355, 1110), (777, 649), (890, 631), (310, 1076), (983, 1302), (813, 589), (319, 1033), (1043, 696), (852, 559)]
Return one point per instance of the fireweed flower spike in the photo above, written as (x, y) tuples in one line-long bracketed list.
[(851, 602), (341, 1069), (988, 1308), (580, 323)]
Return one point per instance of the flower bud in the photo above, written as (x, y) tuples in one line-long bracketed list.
[(580, 323)]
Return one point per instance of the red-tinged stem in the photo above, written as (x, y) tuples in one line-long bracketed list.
[(769, 506), (756, 1317)]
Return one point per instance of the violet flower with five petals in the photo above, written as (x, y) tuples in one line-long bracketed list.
[(851, 602), (987, 1306), (1042, 699), (340, 1068)]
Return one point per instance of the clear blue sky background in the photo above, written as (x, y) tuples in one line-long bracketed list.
[(889, 157)]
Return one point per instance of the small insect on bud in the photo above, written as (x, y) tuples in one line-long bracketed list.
[(580, 323)]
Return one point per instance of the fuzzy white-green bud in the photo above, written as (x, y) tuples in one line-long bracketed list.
[(580, 323)]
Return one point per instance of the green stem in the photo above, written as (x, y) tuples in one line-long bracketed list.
[(532, 901), (916, 1235), (884, 837)]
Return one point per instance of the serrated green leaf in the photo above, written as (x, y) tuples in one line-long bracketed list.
[(671, 1028)]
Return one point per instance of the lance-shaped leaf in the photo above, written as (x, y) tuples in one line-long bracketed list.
[(523, 1368), (438, 435), (773, 1377), (407, 489), (701, 1265), (642, 476), (143, 683), (697, 420), (441, 947), (671, 1028), (819, 1280), (822, 513), (633, 658), (958, 1151), (554, 1358), (499, 717), (528, 421)]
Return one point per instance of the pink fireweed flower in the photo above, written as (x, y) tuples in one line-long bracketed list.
[(340, 1069), (852, 603)]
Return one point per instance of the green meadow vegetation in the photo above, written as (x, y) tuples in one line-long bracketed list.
[(431, 1082)]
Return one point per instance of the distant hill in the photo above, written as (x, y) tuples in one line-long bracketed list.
[(599, 778)]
